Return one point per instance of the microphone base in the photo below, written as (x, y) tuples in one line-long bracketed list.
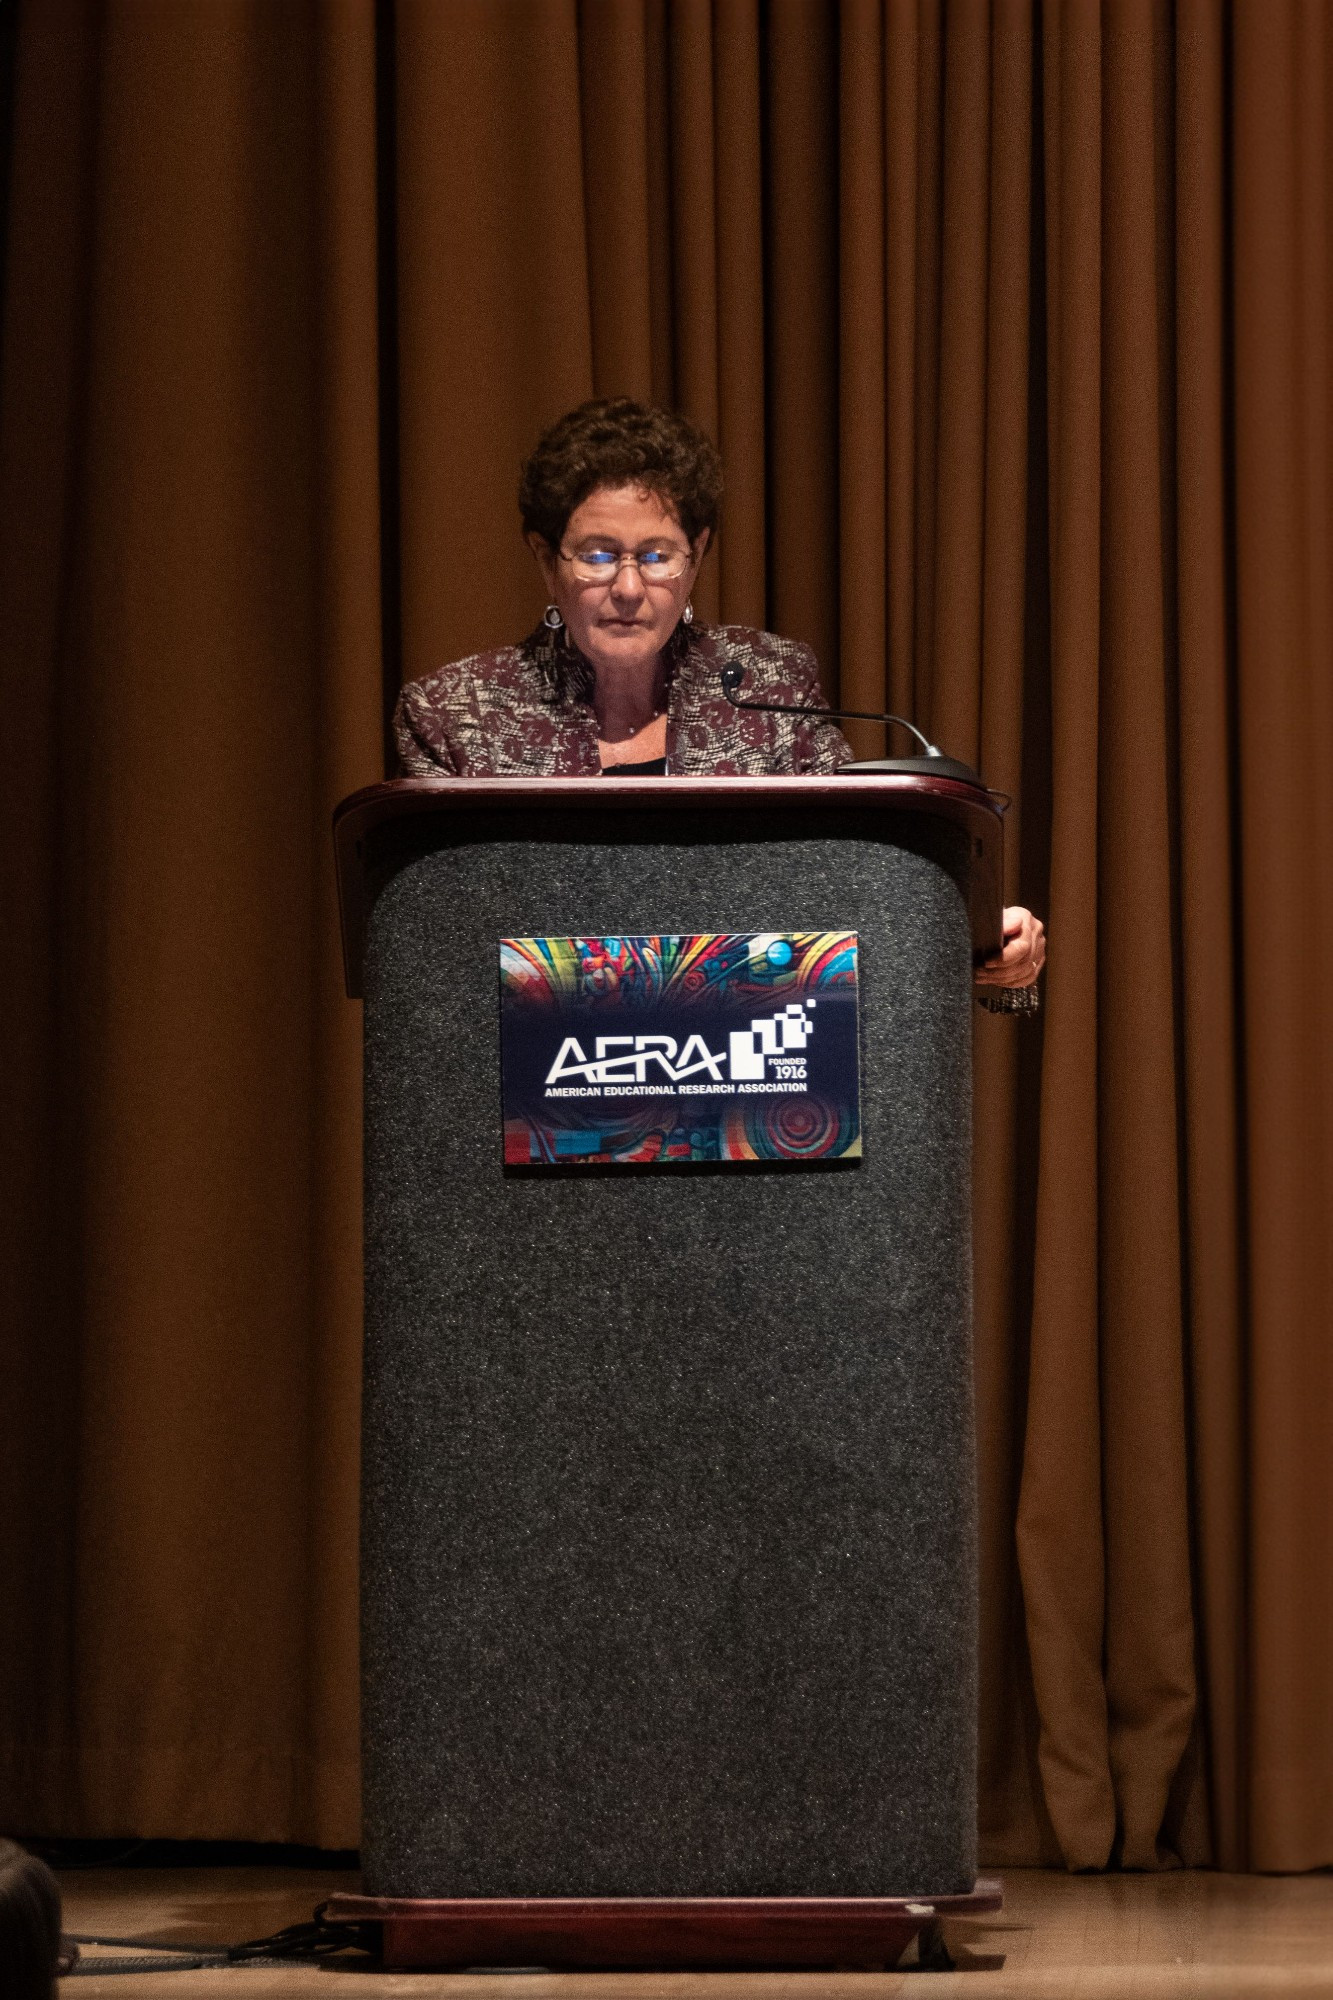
[(911, 767)]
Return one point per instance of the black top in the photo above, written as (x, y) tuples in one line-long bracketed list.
[(655, 767)]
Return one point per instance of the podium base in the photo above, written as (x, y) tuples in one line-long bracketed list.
[(658, 1933)]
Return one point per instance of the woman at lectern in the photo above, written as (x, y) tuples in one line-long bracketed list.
[(619, 504)]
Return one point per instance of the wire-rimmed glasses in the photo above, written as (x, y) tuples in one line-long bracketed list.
[(600, 562)]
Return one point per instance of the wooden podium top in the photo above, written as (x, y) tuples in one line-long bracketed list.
[(409, 802)]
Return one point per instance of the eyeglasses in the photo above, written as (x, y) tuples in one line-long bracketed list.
[(601, 564)]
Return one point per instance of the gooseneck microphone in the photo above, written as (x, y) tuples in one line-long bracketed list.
[(931, 763)]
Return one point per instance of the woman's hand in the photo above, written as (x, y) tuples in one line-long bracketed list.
[(1023, 955)]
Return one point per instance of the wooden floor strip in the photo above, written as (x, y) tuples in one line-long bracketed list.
[(1188, 1935)]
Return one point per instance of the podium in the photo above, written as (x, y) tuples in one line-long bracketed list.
[(668, 1519)]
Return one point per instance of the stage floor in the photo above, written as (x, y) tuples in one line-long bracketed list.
[(1115, 1937)]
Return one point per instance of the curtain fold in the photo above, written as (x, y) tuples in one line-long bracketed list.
[(1104, 1549), (1283, 94), (1209, 906), (191, 653), (1012, 323)]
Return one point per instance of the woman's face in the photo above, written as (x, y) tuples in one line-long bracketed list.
[(620, 623)]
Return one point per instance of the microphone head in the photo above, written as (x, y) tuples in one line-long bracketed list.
[(732, 676)]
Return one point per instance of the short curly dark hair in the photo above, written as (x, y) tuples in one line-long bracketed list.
[(618, 442)]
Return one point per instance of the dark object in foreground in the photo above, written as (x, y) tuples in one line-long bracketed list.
[(32, 1950)]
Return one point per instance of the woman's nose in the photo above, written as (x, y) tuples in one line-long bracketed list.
[(627, 584)]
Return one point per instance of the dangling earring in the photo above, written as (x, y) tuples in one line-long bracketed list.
[(551, 617), (687, 615)]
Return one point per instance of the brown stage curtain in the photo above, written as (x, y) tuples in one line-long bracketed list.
[(1013, 325)]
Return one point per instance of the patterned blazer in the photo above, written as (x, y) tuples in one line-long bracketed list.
[(498, 715)]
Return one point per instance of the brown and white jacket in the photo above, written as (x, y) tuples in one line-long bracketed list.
[(496, 715)]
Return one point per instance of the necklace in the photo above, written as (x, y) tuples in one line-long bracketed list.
[(629, 736)]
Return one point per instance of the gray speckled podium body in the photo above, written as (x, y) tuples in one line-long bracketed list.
[(668, 1523)]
